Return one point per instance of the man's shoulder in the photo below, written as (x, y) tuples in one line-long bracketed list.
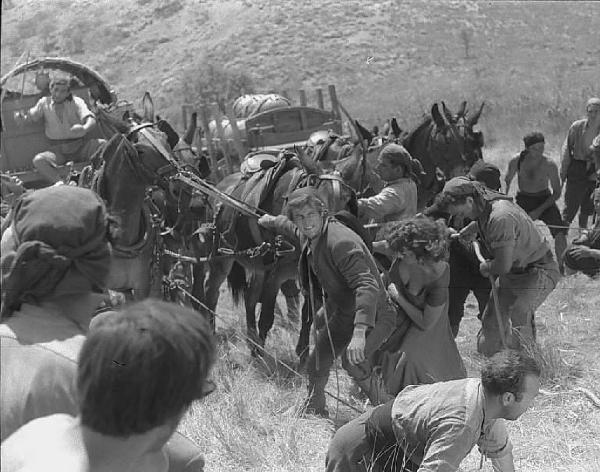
[(578, 123), (40, 445)]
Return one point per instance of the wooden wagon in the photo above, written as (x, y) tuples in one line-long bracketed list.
[(263, 122), (22, 87)]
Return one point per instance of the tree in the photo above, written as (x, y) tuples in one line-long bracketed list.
[(213, 83)]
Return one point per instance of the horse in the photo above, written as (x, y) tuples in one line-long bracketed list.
[(444, 143), (258, 262), (124, 171)]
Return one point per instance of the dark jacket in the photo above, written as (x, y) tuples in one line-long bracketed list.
[(344, 268)]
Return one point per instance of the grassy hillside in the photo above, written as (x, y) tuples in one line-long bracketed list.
[(534, 63)]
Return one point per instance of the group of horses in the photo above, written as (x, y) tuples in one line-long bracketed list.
[(161, 224)]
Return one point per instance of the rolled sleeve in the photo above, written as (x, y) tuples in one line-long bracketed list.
[(352, 263), (37, 111), (83, 112), (494, 442), (446, 448), (501, 232), (379, 206)]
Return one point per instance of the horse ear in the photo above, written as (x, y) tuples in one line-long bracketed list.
[(437, 117), (395, 128), (447, 113), (462, 110), (148, 107), (364, 132), (475, 118)]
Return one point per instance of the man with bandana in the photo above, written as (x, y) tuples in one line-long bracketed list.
[(55, 260), (534, 172), (577, 164), (521, 260), (398, 199)]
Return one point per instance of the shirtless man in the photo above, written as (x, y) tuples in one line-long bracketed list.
[(534, 172)]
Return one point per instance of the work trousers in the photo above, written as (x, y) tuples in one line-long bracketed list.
[(578, 193), (367, 443), (520, 293)]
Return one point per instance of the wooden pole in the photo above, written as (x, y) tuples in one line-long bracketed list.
[(320, 103), (302, 94), (237, 137), (216, 112), (286, 94), (203, 112), (184, 115), (335, 108)]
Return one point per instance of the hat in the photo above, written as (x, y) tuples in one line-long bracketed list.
[(58, 243), (533, 138), (486, 173), (593, 102)]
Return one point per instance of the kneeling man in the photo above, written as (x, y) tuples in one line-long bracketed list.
[(434, 427)]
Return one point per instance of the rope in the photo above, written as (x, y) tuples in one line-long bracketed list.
[(248, 339), (538, 223)]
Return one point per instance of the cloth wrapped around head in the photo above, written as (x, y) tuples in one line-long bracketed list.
[(57, 244), (462, 186), (399, 156)]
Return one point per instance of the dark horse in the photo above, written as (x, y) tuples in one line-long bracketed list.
[(124, 172), (444, 143), (250, 271)]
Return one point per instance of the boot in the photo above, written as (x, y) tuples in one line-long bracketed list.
[(316, 404)]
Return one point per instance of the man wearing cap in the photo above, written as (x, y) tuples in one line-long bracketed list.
[(534, 172), (577, 166), (55, 258), (521, 260), (398, 199), (335, 263), (67, 122), (464, 265)]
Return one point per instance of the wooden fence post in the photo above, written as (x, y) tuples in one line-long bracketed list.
[(209, 144), (320, 103), (302, 97), (237, 138), (334, 101), (216, 111)]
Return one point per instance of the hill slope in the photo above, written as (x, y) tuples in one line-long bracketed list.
[(386, 57)]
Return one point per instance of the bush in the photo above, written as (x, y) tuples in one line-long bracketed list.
[(213, 83)]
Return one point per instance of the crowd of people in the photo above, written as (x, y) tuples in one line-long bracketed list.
[(87, 392)]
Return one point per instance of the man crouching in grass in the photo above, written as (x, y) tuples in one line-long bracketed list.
[(139, 370), (433, 427)]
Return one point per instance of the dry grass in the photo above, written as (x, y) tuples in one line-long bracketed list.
[(253, 421)]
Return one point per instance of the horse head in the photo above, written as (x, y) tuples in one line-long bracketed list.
[(454, 145)]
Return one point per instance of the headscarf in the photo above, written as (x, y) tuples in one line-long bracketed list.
[(398, 155), (57, 244), (464, 186)]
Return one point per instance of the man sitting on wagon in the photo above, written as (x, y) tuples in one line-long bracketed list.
[(67, 122)]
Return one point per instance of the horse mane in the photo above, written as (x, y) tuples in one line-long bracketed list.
[(111, 166), (408, 141)]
